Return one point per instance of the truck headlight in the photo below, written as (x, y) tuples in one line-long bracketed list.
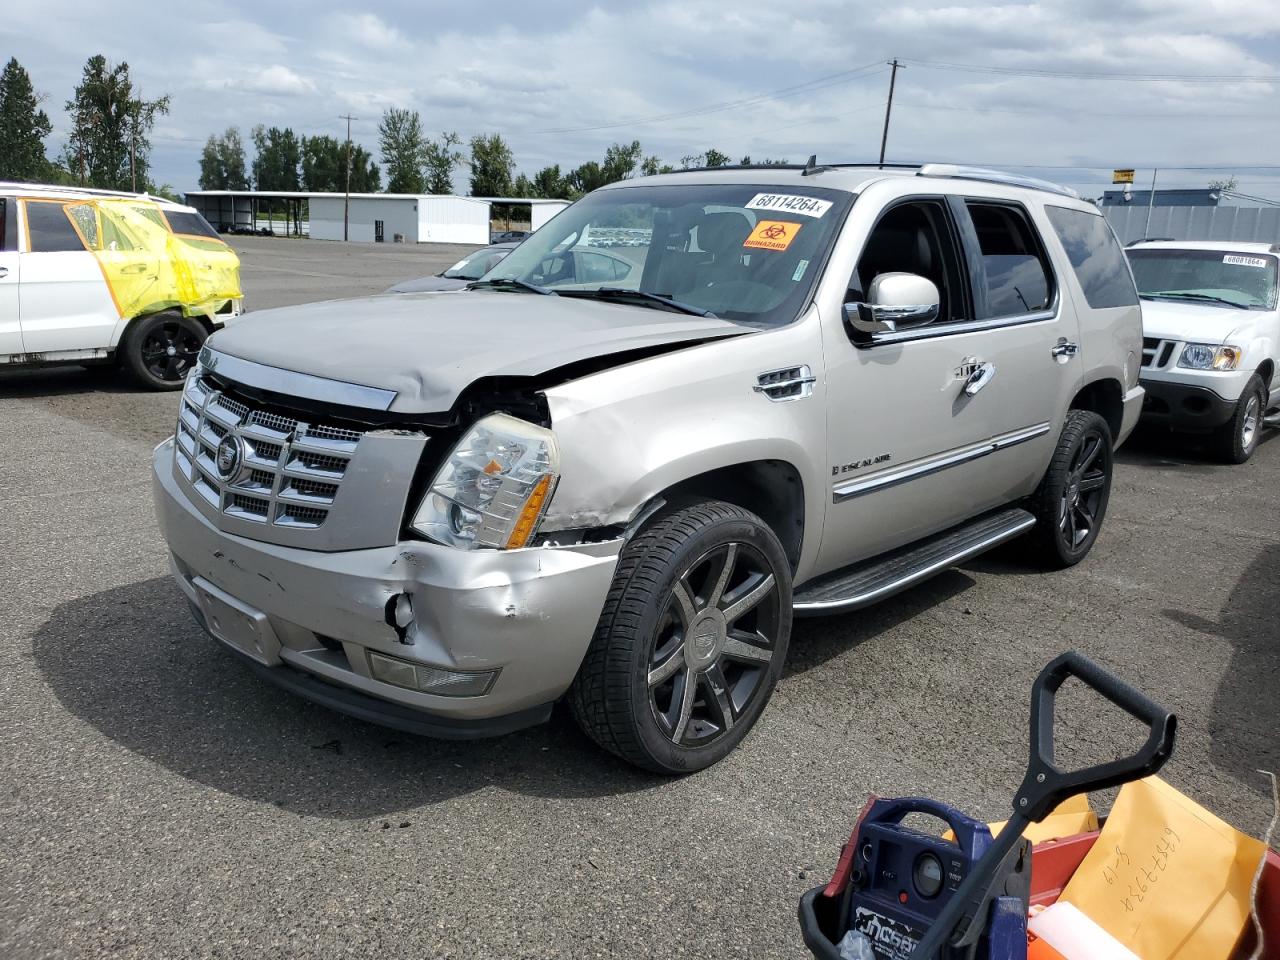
[(494, 488), (1206, 356)]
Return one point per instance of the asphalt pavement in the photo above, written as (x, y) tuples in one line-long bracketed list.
[(157, 800)]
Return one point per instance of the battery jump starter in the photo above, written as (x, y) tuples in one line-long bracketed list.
[(915, 896)]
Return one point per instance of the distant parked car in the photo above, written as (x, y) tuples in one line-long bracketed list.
[(510, 236), (94, 276), (1211, 339), (469, 268)]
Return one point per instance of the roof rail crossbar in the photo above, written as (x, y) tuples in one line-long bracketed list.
[(994, 176)]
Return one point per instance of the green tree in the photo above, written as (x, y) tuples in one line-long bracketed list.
[(652, 166), (222, 163), (278, 157), (439, 159), (109, 145), (714, 158), (23, 126), (549, 184), (522, 187), (620, 161), (1229, 184), (491, 166), (324, 165), (402, 143)]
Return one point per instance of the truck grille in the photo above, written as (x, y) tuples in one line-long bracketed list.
[(1157, 353), (276, 470)]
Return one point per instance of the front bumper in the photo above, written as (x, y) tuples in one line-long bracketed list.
[(529, 614), (1186, 407)]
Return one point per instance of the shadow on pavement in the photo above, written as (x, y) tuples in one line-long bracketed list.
[(815, 640), (1246, 707), (132, 663), (1186, 452), (58, 381)]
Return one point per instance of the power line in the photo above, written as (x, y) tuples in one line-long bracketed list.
[(869, 69), (1134, 115), (1091, 75)]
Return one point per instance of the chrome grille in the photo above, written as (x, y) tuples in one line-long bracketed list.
[(290, 470)]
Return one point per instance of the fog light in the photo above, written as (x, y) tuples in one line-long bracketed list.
[(444, 683)]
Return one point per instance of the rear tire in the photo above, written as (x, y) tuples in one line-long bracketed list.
[(1236, 439), (162, 349), (1071, 500), (691, 640)]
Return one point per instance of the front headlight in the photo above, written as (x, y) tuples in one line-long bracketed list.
[(494, 488), (1206, 356)]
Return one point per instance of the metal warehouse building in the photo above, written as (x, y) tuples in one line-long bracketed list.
[(372, 217)]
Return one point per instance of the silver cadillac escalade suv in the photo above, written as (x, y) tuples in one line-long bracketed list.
[(613, 474)]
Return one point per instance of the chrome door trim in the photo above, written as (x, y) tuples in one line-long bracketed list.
[(935, 464), (292, 384), (930, 331)]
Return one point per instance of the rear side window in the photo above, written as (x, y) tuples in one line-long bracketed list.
[(86, 219), (189, 223), (1018, 276), (1095, 257), (49, 229)]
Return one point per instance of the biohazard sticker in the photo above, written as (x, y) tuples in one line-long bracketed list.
[(772, 235), (1245, 261), (789, 203)]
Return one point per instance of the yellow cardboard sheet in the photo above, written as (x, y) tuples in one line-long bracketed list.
[(1166, 877), (1070, 817)]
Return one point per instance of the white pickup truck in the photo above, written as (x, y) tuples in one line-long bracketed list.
[(1211, 339)]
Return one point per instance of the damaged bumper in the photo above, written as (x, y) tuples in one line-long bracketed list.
[(317, 622)]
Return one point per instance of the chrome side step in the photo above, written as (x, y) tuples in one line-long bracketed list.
[(873, 580)]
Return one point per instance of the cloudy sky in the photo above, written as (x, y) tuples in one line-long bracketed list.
[(1032, 87)]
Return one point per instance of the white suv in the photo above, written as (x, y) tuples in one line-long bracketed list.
[(90, 276), (1211, 335)]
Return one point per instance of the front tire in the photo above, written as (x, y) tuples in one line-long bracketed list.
[(1238, 437), (161, 350), (691, 640), (1072, 498)]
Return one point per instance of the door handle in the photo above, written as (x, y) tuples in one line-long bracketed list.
[(134, 268), (4, 271), (1064, 350), (982, 374)]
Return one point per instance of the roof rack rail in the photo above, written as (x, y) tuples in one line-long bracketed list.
[(71, 188), (1134, 243), (993, 176)]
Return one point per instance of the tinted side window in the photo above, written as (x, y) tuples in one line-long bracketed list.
[(49, 229), (915, 237), (1095, 257), (190, 223), (1019, 279), (8, 224)]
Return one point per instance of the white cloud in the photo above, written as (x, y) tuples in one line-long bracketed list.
[(275, 80)]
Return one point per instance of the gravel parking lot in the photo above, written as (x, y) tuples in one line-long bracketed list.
[(159, 801)]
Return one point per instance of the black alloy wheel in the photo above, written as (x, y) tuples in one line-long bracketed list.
[(1071, 500), (691, 641), (714, 646), (161, 350)]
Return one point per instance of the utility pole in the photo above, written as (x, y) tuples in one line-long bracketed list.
[(346, 203), (888, 108), (1151, 202)]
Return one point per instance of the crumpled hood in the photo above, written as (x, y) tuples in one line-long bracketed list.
[(429, 348), (1194, 322)]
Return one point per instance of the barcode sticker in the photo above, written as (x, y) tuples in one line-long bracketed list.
[(1245, 261)]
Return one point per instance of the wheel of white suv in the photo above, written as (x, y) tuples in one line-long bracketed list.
[(161, 350), (691, 640), (1072, 498), (1238, 437)]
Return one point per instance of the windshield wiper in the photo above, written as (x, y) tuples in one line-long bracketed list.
[(622, 293), (1183, 295), (511, 283)]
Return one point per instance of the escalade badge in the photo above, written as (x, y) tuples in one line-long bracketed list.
[(229, 456)]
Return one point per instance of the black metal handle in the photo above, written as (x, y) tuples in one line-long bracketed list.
[(1045, 786)]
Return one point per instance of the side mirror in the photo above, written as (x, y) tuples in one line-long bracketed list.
[(895, 301)]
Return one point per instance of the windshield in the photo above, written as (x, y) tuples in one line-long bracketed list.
[(745, 253), (476, 265), (1207, 276)]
